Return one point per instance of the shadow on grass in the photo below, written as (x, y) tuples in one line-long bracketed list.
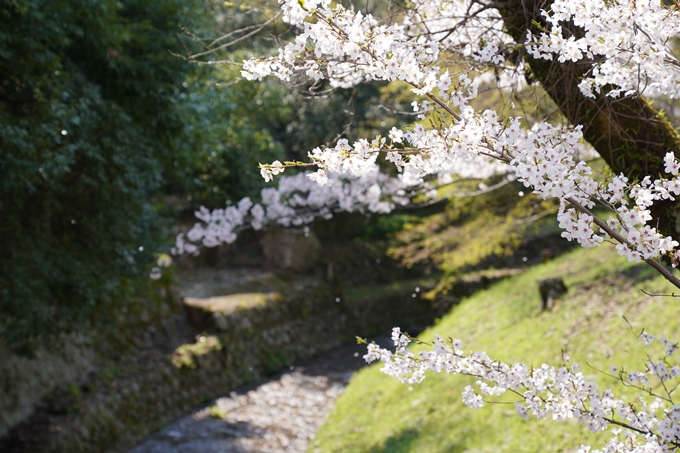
[(639, 273), (403, 442), (399, 443)]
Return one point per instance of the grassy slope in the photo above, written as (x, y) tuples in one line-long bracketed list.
[(379, 414)]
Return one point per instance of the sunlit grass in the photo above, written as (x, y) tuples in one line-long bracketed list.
[(379, 414)]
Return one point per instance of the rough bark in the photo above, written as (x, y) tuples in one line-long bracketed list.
[(629, 134)]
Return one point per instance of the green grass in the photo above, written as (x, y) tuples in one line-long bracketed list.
[(379, 414)]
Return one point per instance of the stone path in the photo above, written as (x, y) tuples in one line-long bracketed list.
[(280, 415)]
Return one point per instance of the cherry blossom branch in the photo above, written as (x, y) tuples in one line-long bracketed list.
[(347, 47), (562, 392), (299, 201), (652, 262), (443, 105)]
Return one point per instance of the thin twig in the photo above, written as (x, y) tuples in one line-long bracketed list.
[(660, 295), (231, 43)]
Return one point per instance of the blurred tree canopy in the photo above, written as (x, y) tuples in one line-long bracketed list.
[(89, 117), (99, 119), (102, 124)]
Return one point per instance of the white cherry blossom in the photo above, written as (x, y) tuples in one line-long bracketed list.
[(559, 393), (298, 201)]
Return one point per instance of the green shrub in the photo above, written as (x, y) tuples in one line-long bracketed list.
[(88, 114)]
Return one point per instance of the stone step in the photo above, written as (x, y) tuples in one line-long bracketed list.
[(216, 312)]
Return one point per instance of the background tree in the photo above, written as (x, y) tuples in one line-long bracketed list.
[(107, 135), (88, 115)]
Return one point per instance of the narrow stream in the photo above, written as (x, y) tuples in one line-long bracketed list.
[(280, 415)]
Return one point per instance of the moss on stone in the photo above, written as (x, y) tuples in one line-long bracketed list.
[(187, 354)]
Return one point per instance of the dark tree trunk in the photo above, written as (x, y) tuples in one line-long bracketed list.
[(629, 134)]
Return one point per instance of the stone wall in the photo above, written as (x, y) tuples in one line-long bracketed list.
[(245, 338), (259, 341), (25, 381), (90, 397)]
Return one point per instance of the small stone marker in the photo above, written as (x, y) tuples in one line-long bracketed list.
[(291, 249)]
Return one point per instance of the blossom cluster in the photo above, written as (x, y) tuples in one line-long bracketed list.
[(631, 36), (297, 201), (468, 28), (561, 393), (453, 132), (552, 172), (348, 47), (343, 46)]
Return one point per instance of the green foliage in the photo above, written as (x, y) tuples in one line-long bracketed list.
[(386, 226), (378, 414), (88, 115), (472, 230), (226, 134)]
